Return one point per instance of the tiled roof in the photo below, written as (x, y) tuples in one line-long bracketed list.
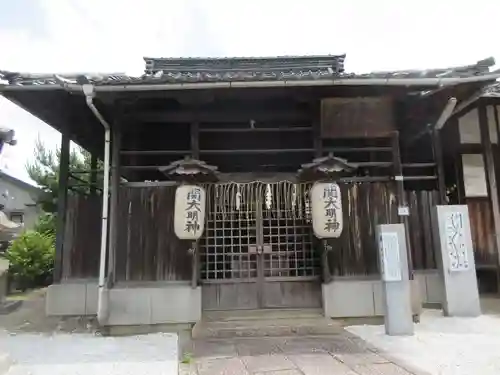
[(244, 69), (492, 91), (198, 70)]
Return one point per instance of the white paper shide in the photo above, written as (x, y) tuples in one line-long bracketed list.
[(326, 207), (455, 242), (189, 219)]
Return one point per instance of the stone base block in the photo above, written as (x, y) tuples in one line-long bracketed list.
[(175, 303), (431, 287), (138, 304), (71, 298), (355, 298)]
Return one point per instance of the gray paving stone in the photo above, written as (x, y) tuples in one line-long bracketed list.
[(214, 349), (304, 345), (320, 364), (342, 345), (380, 369), (360, 358), (280, 372), (266, 362), (258, 346), (221, 366)]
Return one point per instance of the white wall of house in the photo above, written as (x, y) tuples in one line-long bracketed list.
[(19, 199)]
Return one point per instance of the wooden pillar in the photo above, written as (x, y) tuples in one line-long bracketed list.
[(93, 174), (438, 159), (316, 124), (114, 200), (456, 152), (62, 201), (491, 182), (497, 127), (401, 196), (195, 140)]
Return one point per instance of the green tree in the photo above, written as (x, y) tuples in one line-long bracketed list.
[(31, 258), (44, 170)]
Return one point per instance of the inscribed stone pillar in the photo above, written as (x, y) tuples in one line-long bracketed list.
[(456, 261), (396, 288)]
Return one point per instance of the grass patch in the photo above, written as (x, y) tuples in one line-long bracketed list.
[(21, 296), (187, 358)]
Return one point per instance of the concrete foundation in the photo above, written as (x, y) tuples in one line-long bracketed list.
[(133, 304), (431, 287), (177, 303), (362, 297)]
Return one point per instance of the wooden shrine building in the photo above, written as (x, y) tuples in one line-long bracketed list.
[(255, 134)]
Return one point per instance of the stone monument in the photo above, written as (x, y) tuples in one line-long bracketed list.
[(456, 261), (396, 288)]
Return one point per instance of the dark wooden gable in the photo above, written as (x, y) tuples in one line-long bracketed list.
[(357, 117)]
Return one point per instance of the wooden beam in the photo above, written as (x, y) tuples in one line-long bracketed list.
[(257, 151), (62, 202), (401, 196), (221, 116), (491, 182), (418, 165), (357, 149), (113, 208), (470, 148), (257, 130), (420, 178), (155, 152)]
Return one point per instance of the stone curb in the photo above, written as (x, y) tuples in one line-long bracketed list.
[(5, 363)]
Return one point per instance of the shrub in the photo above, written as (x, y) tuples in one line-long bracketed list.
[(31, 258), (46, 224)]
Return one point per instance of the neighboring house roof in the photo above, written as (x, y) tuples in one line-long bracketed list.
[(7, 136), (257, 69)]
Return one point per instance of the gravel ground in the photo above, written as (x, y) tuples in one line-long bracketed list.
[(72, 354), (443, 346), (30, 317), (40, 345)]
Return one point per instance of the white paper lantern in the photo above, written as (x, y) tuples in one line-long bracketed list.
[(189, 214), (326, 210)]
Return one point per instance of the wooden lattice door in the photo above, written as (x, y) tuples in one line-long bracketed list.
[(258, 248)]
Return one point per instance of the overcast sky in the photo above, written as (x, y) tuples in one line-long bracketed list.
[(114, 35)]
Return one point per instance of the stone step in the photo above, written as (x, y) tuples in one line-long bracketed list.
[(240, 315), (266, 328)]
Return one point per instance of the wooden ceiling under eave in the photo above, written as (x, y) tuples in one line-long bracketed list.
[(63, 111), (418, 112)]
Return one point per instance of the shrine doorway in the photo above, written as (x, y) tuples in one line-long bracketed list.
[(258, 250)]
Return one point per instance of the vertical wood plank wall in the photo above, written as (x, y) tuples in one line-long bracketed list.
[(148, 249), (367, 205), (82, 236), (483, 232)]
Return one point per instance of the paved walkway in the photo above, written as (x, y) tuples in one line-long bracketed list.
[(342, 354)]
